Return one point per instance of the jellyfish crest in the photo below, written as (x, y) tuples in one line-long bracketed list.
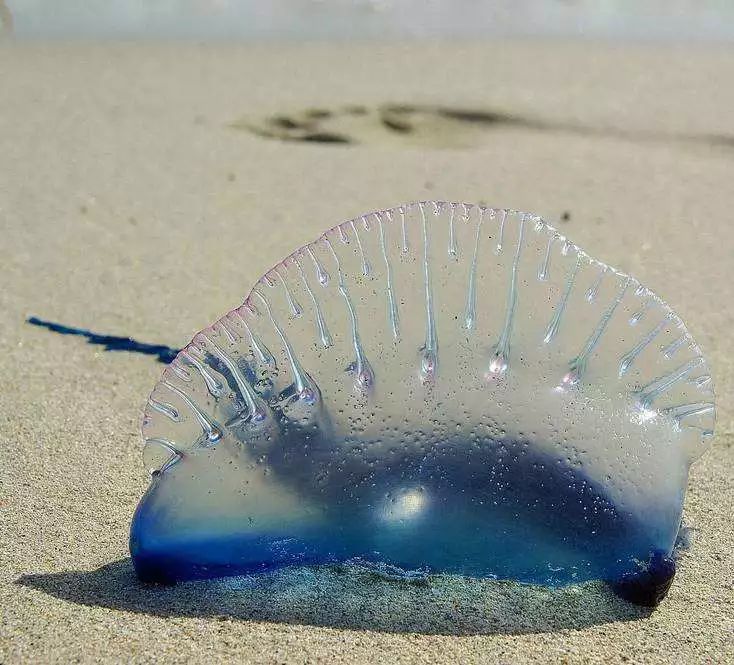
[(461, 406)]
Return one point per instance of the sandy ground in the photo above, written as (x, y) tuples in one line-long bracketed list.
[(138, 197)]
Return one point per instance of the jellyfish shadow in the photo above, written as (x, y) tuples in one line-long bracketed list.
[(349, 596)]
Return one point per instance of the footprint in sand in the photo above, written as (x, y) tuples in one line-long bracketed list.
[(436, 126), (419, 125)]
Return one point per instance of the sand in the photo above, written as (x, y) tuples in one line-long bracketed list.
[(139, 198)]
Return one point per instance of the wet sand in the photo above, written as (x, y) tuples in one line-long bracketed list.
[(143, 188)]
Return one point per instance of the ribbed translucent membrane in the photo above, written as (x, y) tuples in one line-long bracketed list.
[(439, 387)]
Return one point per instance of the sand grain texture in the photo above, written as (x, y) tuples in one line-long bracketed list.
[(130, 205)]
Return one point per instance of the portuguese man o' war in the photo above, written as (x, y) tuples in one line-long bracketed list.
[(438, 387)]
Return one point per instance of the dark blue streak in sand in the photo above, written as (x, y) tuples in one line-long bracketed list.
[(165, 354)]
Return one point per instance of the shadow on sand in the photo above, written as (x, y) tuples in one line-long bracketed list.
[(349, 597)]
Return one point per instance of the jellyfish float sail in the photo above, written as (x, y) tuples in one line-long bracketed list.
[(438, 386)]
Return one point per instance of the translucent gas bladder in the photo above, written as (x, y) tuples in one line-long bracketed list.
[(438, 386)]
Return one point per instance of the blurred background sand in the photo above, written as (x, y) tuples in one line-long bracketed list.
[(145, 186)]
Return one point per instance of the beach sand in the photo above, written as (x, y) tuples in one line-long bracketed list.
[(139, 197)]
